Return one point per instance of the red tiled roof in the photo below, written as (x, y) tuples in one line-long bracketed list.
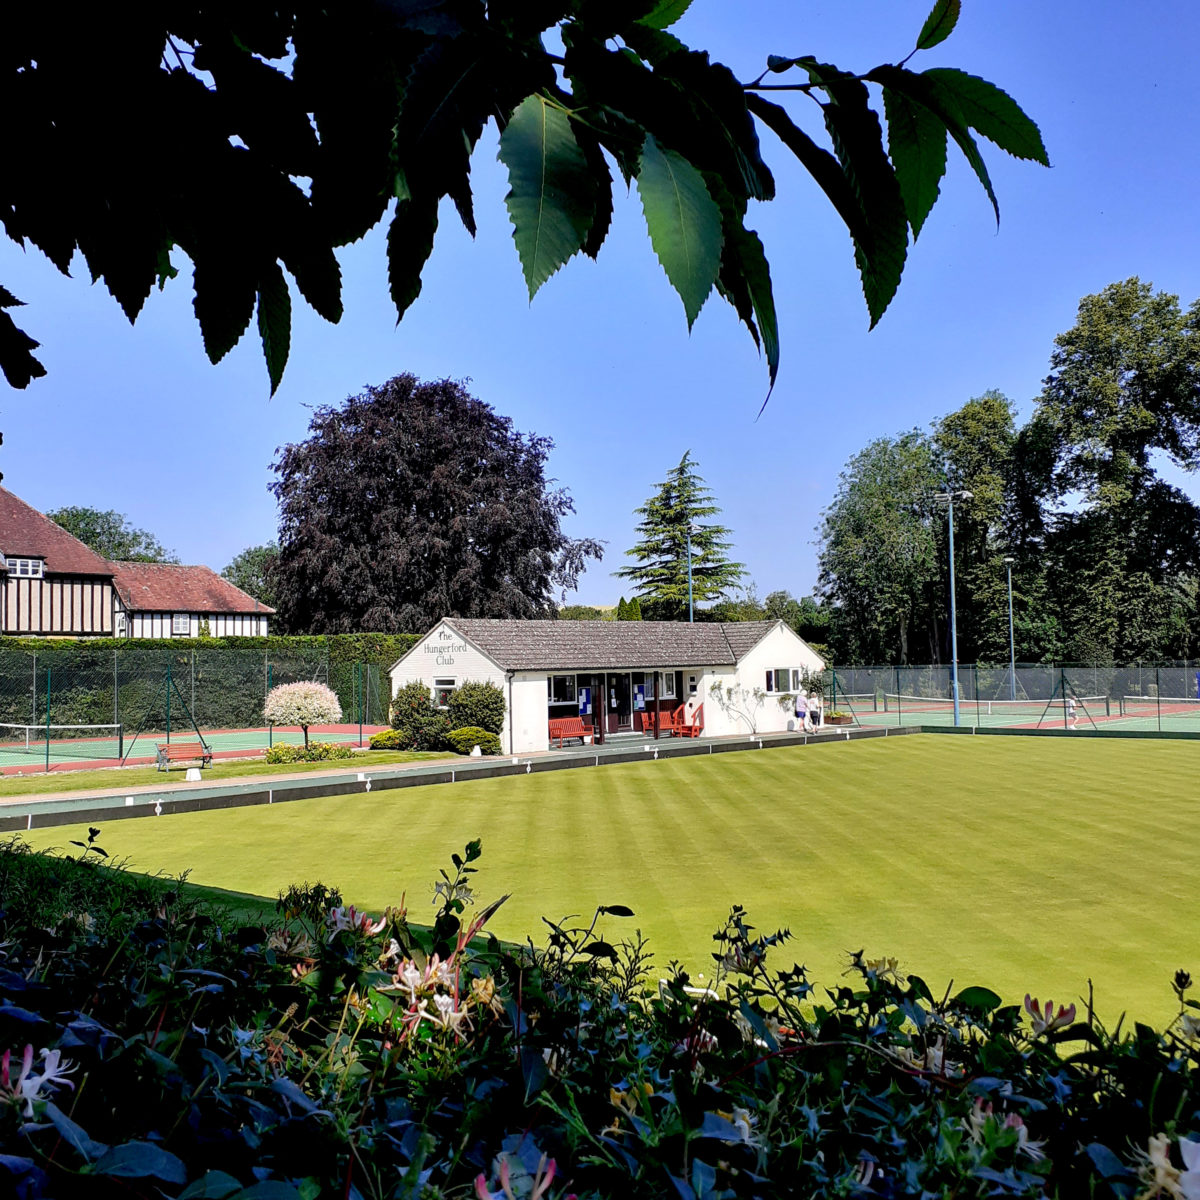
[(168, 587), (27, 533)]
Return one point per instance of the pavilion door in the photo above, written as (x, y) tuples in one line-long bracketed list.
[(620, 702)]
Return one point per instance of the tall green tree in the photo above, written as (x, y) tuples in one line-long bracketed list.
[(253, 571), (1123, 391), (879, 551), (258, 139), (806, 617), (660, 567), (111, 535), (975, 447)]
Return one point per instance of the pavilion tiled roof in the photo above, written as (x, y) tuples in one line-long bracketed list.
[(169, 587), (610, 645), (27, 533)]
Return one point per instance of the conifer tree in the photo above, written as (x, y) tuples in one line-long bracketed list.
[(660, 570)]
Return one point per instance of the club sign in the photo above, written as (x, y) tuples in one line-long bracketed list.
[(445, 647)]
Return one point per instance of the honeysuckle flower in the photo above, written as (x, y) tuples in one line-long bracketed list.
[(26, 1087), (483, 992), (883, 968), (350, 918), (1025, 1145), (1157, 1172), (1044, 1018)]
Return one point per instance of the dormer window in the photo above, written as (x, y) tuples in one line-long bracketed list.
[(25, 568)]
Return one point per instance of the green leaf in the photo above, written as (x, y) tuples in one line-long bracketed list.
[(684, 223), (136, 1160), (602, 214), (653, 45), (16, 358), (224, 302), (858, 144), (665, 13), (214, 1185), (932, 96), (992, 112), (409, 245), (819, 163), (551, 195), (274, 321), (746, 249), (940, 23), (980, 999), (917, 145)]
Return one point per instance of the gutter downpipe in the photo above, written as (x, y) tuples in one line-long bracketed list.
[(508, 678)]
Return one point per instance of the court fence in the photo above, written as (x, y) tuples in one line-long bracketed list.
[(61, 707), (1163, 698)]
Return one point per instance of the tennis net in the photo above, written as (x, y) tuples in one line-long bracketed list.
[(62, 743), (1160, 706)]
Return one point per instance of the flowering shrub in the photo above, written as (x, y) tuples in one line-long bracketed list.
[(421, 723), (302, 704), (285, 752), (154, 1051)]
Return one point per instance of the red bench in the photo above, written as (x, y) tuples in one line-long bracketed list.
[(692, 728), (564, 728), (175, 752)]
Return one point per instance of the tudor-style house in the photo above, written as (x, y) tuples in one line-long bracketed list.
[(57, 586)]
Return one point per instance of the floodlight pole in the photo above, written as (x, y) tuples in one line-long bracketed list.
[(691, 616), (1012, 645), (949, 498)]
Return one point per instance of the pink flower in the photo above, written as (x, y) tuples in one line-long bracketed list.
[(350, 918), (1045, 1020)]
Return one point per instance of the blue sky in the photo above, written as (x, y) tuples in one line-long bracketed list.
[(136, 419)]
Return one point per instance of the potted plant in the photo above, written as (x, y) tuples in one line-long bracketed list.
[(838, 718)]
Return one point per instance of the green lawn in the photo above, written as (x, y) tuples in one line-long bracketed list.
[(1021, 864), (65, 782)]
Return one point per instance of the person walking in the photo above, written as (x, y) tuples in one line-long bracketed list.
[(814, 710), (1072, 711), (802, 718)]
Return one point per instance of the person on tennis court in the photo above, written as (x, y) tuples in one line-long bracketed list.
[(1072, 713)]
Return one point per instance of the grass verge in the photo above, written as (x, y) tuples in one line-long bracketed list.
[(65, 782)]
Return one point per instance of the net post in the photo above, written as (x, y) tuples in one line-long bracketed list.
[(833, 689), (270, 725), (47, 720), (361, 672), (1062, 689), (168, 703), (899, 703), (1158, 696), (120, 742)]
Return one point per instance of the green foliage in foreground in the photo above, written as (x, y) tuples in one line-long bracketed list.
[(296, 128), (330, 1053)]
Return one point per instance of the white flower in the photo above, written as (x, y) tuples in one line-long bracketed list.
[(28, 1087), (1044, 1018)]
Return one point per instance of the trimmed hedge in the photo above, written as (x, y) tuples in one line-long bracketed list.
[(478, 705), (464, 740)]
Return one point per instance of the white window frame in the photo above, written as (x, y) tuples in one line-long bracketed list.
[(181, 624), (773, 688), (25, 568), (443, 683), (666, 689)]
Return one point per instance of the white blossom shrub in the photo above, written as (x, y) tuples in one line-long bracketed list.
[(302, 704)]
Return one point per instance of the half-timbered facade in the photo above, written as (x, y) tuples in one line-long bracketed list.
[(165, 600), (53, 583)]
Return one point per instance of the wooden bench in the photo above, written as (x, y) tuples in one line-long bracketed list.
[(176, 752), (692, 728), (564, 728)]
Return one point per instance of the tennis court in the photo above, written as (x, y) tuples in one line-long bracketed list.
[(25, 748)]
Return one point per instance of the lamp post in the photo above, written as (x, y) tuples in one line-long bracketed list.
[(950, 498), (689, 552), (1012, 645)]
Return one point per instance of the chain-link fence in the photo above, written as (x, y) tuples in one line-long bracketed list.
[(1164, 698), (77, 703)]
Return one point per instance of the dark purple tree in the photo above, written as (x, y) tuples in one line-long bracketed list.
[(413, 501)]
